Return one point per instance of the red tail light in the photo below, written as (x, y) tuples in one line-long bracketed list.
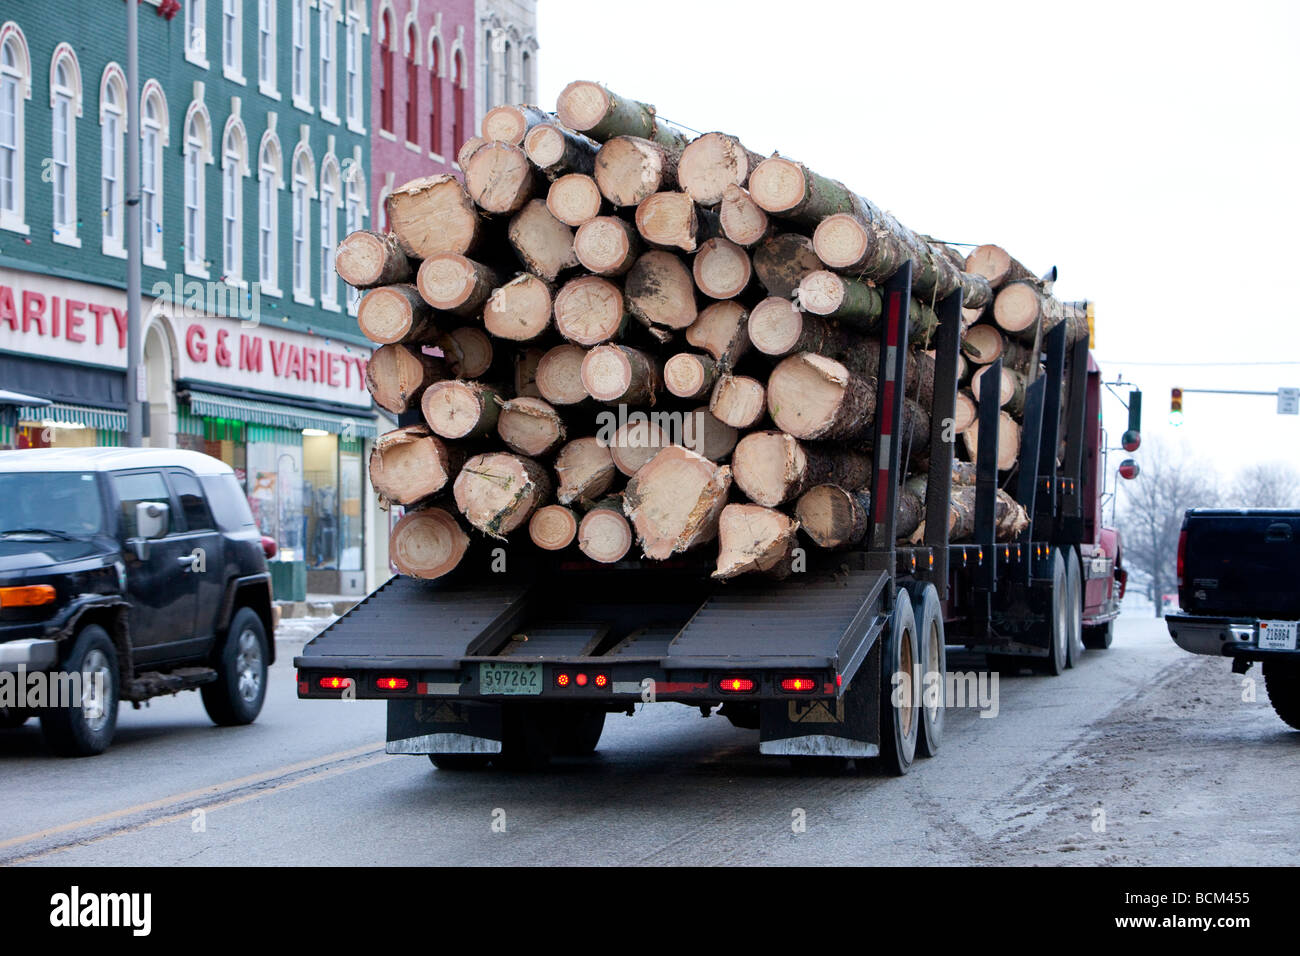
[(602, 680), (737, 685), (1182, 554), (561, 680), (799, 685), (335, 683), (392, 683), (269, 547), (581, 680)]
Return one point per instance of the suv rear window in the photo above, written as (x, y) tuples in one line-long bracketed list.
[(229, 506), (193, 506)]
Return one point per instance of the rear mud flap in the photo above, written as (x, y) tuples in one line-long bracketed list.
[(848, 726), (443, 727)]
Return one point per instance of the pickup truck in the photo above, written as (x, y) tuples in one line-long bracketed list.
[(1238, 592), (126, 574)]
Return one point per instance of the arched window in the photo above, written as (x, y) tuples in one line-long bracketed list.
[(412, 87), (197, 150), (301, 61), (435, 97), (303, 176), (112, 132), (329, 80), (354, 212), (353, 57), (386, 71), (65, 101), (15, 87), (269, 180), (267, 53), (330, 201), (153, 135), (234, 167), (458, 110)]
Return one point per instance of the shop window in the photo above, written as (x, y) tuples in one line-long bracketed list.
[(351, 512), (320, 492)]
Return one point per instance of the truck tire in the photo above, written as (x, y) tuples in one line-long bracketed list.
[(900, 725), (456, 762), (578, 731), (236, 696), (1282, 680), (13, 717), (1058, 649), (86, 728), (934, 661), (1074, 607), (1099, 636)]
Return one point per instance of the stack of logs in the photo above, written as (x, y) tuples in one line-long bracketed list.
[(636, 342)]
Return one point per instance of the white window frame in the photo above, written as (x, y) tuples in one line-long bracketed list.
[(154, 136), (354, 217), (197, 152), (270, 180), (329, 68), (196, 32), (331, 202), (268, 52), (15, 82), (234, 168), (232, 41), (112, 149), (65, 106), (302, 192), (300, 55), (354, 34)]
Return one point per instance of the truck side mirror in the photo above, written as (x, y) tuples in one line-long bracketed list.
[(152, 518)]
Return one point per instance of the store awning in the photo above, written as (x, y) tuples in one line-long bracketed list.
[(362, 425), (74, 415), (21, 399)]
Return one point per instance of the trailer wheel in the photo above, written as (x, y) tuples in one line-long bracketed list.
[(1074, 608), (1099, 636), (934, 668), (460, 761), (1058, 653), (900, 713), (1283, 684), (578, 731)]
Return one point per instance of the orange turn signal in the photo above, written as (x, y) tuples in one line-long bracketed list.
[(32, 595)]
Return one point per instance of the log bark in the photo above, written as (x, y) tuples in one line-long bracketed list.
[(835, 517), (589, 310), (365, 259), (737, 400), (586, 471), (432, 215), (690, 375), (672, 220), (459, 409), (557, 151), (813, 397), (410, 464), (510, 124), (467, 149), (710, 163), (985, 343), (607, 245), (635, 442), (530, 427), (754, 539), (574, 199), (771, 467), (553, 527), (468, 350), (743, 221), (660, 293), (543, 244), (779, 329), (599, 113), (396, 313), (500, 179), (604, 534), (453, 283), (674, 501), (520, 310), (397, 376), (559, 375), (722, 269), (996, 265), (427, 543), (498, 492), (852, 242), (616, 374), (722, 330), (630, 169), (1020, 305), (1008, 442), (850, 301), (920, 381), (782, 261)]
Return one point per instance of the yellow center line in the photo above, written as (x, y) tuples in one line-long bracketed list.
[(208, 791)]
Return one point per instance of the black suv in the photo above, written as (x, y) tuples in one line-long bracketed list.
[(126, 574)]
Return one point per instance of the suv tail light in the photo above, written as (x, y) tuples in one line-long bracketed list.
[(1182, 554), (269, 547)]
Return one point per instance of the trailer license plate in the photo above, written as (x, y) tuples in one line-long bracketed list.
[(1277, 635), (501, 678)]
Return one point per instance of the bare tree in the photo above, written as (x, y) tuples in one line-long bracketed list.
[(1151, 512), (1266, 485)]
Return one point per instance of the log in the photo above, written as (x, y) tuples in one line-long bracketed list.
[(834, 517), (396, 313), (782, 261), (616, 374), (365, 259), (722, 269), (499, 178), (510, 124), (752, 538), (1008, 442), (604, 534), (743, 221), (1011, 389), (397, 376), (589, 310), (1010, 517), (434, 214), (557, 151), (530, 427), (850, 242), (526, 363), (920, 379), (453, 283), (635, 442), (586, 471), (707, 436), (792, 191), (1020, 305), (427, 543), (674, 501), (966, 412), (468, 350), (607, 245), (574, 199), (458, 409), (737, 400), (520, 310), (690, 375), (630, 169), (984, 344), (592, 109), (660, 293), (672, 220), (498, 492), (771, 467), (410, 464), (777, 328), (996, 265), (543, 244), (813, 397), (467, 149), (553, 527), (710, 163), (722, 330), (559, 375), (850, 301)]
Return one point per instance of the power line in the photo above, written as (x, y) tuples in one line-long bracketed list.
[(1111, 361)]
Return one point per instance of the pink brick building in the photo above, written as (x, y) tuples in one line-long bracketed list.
[(422, 60)]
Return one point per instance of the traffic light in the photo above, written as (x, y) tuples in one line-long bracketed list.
[(1176, 407)]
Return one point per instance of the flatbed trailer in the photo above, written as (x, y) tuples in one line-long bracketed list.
[(827, 665)]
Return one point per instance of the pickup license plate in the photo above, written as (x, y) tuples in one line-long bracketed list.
[(1277, 635), (503, 678)]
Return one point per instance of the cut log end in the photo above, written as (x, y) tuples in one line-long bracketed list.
[(520, 310), (606, 245), (365, 259), (459, 409), (831, 516), (468, 350), (811, 396), (427, 543), (821, 292), (711, 163), (636, 443), (738, 401), (589, 310), (767, 466), (574, 199), (582, 105), (604, 535), (499, 177), (660, 291), (841, 241), (752, 538), (674, 501), (586, 470), (543, 243), (390, 314), (452, 282), (559, 375), (544, 145), (433, 214), (629, 169), (721, 269), (687, 375), (498, 492), (553, 527), (722, 331), (775, 326), (668, 220), (1017, 307), (743, 221), (508, 124), (615, 373), (530, 427), (778, 185), (410, 464)]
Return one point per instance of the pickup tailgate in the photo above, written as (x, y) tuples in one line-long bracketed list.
[(1241, 564)]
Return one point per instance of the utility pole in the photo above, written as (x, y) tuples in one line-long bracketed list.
[(134, 346)]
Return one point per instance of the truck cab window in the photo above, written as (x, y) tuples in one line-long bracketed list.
[(193, 505), (135, 488)]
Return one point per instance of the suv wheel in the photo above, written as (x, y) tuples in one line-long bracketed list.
[(85, 727), (237, 695)]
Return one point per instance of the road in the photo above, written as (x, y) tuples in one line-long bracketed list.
[(1141, 755)]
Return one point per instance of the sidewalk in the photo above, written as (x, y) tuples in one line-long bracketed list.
[(300, 621)]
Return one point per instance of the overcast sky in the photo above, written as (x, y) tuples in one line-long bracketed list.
[(1149, 150)]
